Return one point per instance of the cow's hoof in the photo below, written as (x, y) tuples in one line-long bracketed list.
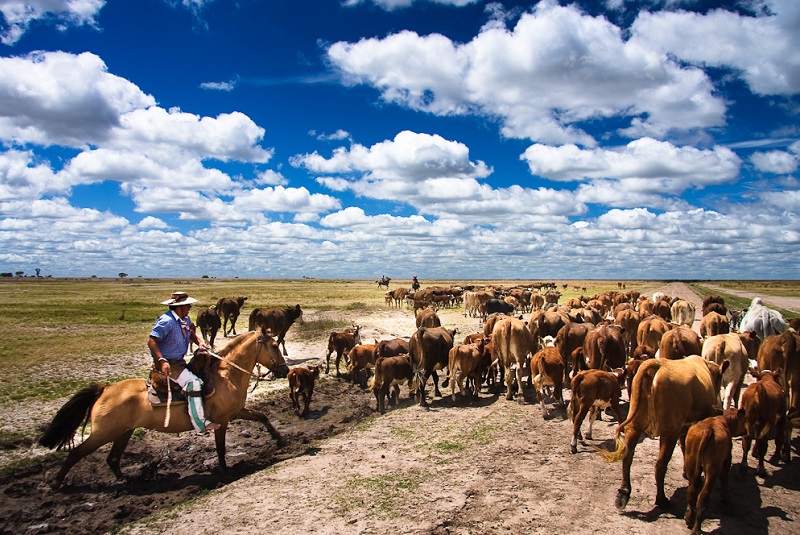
[(623, 496), (573, 449), (588, 436), (662, 502)]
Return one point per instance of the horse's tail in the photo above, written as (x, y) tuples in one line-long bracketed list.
[(75, 412)]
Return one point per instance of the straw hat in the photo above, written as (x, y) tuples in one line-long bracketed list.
[(179, 299)]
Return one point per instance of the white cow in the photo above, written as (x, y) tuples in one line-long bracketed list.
[(764, 321), (683, 312)]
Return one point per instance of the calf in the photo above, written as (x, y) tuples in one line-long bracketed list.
[(301, 380), (361, 358), (389, 373), (593, 391), (464, 361), (765, 416), (342, 343), (209, 322), (708, 450), (548, 367)]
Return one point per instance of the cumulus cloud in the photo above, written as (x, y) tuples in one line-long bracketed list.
[(776, 161), (645, 165), (556, 69), (763, 48), (19, 15)]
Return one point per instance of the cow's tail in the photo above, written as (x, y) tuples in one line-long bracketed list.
[(639, 409), (571, 409), (76, 411), (601, 348), (760, 399)]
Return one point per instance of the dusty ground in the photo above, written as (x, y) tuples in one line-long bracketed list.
[(485, 466)]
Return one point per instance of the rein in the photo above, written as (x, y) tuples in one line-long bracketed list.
[(258, 377)]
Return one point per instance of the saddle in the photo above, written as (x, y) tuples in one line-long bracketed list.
[(201, 364)]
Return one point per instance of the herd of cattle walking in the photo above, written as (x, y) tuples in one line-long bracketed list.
[(681, 386)]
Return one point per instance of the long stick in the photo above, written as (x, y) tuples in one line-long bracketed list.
[(169, 404)]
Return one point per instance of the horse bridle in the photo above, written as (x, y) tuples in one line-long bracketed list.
[(259, 377)]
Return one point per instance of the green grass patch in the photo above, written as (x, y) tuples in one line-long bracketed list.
[(380, 494), (734, 302)]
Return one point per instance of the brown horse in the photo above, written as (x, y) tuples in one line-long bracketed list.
[(116, 410)]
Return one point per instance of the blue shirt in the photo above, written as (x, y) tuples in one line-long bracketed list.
[(172, 335)]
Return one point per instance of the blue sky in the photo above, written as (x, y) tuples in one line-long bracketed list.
[(439, 138)]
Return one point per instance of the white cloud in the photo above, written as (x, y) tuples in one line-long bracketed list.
[(219, 86), (151, 222), (645, 165), (776, 161), (391, 5), (19, 15), (766, 49), (554, 70), (22, 177)]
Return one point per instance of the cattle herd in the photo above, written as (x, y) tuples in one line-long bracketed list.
[(682, 387)]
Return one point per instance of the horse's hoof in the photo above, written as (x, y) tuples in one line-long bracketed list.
[(622, 498), (573, 449)]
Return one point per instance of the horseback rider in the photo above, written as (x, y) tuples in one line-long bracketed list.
[(415, 284), (169, 340)]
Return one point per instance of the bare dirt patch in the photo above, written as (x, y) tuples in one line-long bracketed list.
[(478, 466)]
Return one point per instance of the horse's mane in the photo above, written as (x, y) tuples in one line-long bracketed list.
[(235, 343)]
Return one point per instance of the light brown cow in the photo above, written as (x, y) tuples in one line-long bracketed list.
[(783, 351), (397, 296), (512, 342), (738, 349), (765, 416), (683, 312), (547, 369), (362, 358), (427, 317), (679, 342), (464, 361), (389, 373), (629, 320), (651, 329), (708, 450), (713, 324), (593, 391), (301, 381), (667, 395)]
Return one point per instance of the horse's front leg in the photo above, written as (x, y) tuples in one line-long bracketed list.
[(256, 416), (219, 441)]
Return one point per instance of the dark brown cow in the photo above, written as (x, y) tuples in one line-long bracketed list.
[(544, 323), (389, 373), (391, 348), (301, 380), (666, 396), (604, 347), (429, 350), (593, 391), (208, 322), (716, 300), (276, 321), (228, 309), (362, 357), (783, 351), (568, 338), (708, 450), (764, 405), (663, 310), (643, 353), (397, 296), (714, 323), (341, 343), (547, 369), (794, 323), (679, 342), (427, 317)]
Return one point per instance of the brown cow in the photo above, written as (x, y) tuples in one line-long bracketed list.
[(713, 324), (708, 450), (362, 357), (651, 329), (679, 342), (629, 320), (667, 395), (389, 373), (783, 351), (342, 343), (794, 323), (547, 369), (301, 380), (397, 296), (738, 349), (570, 337), (714, 303), (228, 309), (593, 391), (765, 417), (512, 342), (276, 321), (208, 322), (544, 323), (427, 317), (429, 350), (604, 347), (642, 354), (464, 361), (391, 348)]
